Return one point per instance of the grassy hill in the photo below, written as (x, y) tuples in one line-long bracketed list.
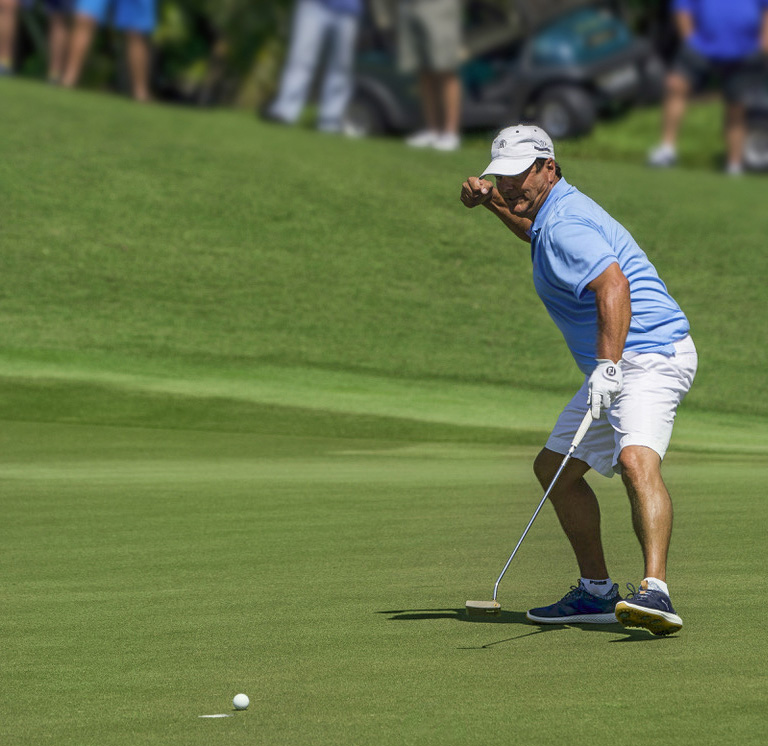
[(149, 239)]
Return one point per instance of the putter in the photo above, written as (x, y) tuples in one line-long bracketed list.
[(481, 608)]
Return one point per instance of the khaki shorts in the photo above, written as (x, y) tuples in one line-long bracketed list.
[(429, 35), (642, 415)]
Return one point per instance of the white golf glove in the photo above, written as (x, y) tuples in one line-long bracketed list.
[(604, 386)]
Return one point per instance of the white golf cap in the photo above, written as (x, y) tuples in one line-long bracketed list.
[(515, 149)]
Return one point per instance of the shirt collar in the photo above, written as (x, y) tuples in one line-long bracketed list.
[(557, 191)]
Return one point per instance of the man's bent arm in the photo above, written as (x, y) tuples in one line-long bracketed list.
[(476, 191), (614, 312), (519, 226)]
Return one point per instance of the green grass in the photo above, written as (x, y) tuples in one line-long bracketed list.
[(151, 574), (268, 404), (205, 238)]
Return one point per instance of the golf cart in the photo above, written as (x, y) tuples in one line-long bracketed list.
[(558, 63)]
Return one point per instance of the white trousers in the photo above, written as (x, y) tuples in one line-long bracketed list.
[(314, 24)]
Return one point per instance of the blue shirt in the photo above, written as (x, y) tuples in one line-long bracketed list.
[(573, 241), (353, 7), (724, 29)]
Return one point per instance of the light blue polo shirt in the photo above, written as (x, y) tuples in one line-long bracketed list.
[(573, 240)]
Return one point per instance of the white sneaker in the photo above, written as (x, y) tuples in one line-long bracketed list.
[(662, 156), (423, 139), (447, 142), (734, 169)]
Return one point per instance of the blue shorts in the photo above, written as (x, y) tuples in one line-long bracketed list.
[(125, 15)]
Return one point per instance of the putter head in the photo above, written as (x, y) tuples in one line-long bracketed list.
[(481, 608)]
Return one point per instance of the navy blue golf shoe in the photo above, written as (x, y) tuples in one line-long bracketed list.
[(578, 606), (649, 609)]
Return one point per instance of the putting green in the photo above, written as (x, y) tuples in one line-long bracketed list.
[(151, 574)]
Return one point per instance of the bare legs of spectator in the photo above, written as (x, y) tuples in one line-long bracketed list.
[(675, 102), (676, 93), (139, 60), (137, 49), (441, 103), (735, 135), (58, 43), (441, 97), (8, 20), (83, 30)]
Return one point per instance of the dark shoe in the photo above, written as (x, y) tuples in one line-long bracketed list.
[(578, 606), (649, 609)]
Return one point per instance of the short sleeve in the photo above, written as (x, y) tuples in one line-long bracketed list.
[(578, 254)]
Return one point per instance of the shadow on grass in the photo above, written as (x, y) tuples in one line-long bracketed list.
[(517, 618)]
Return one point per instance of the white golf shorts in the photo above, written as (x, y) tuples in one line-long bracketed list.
[(642, 415)]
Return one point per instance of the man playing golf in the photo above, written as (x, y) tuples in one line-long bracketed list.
[(630, 339)]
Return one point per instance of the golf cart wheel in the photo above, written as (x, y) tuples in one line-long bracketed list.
[(363, 117), (565, 111)]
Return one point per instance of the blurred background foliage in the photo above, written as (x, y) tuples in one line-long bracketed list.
[(230, 52)]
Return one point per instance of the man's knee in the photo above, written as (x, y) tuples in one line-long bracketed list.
[(677, 85), (639, 464), (547, 463), (544, 467)]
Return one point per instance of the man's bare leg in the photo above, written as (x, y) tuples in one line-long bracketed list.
[(651, 607), (139, 63), (735, 134), (594, 599), (8, 20), (83, 30), (58, 43), (577, 510), (428, 88), (651, 506), (675, 102), (450, 94), (676, 93)]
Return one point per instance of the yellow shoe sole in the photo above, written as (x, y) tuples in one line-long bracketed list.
[(656, 622)]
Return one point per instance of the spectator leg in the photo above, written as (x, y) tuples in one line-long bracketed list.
[(450, 87), (675, 100), (735, 132), (338, 81), (8, 20), (139, 63), (58, 40), (82, 35), (429, 86), (310, 22)]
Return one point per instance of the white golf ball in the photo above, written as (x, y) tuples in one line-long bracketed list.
[(241, 701)]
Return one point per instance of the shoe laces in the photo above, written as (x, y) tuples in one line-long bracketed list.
[(637, 591), (576, 590)]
